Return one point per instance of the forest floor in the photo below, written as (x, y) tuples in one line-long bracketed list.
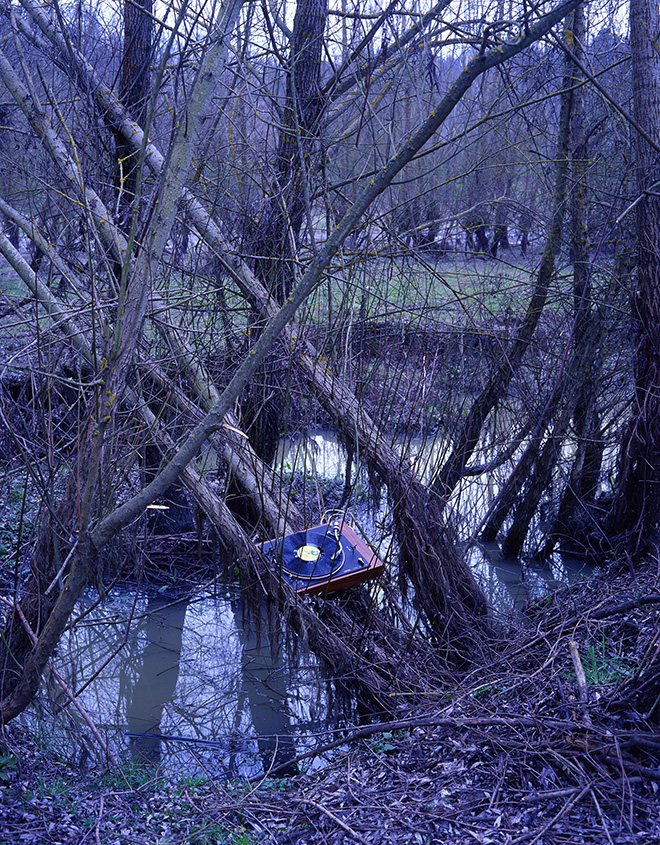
[(517, 751)]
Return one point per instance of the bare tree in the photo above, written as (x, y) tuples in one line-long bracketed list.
[(636, 510), (133, 377)]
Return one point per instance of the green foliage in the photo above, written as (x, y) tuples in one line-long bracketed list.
[(605, 664), (17, 515), (208, 834), (383, 744), (485, 690), (192, 782), (240, 836), (132, 775), (7, 539), (54, 788), (215, 833), (275, 784), (8, 768)]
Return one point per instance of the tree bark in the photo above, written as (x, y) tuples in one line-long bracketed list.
[(276, 238), (635, 515), (135, 92)]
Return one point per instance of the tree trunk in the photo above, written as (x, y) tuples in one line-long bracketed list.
[(81, 502), (135, 92), (469, 433), (635, 514), (274, 243), (574, 395), (445, 592), (580, 491), (277, 233)]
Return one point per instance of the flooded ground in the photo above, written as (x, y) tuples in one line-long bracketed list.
[(189, 682), (508, 584)]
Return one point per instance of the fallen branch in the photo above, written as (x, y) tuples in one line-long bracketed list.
[(431, 722), (625, 606), (551, 795), (336, 820), (581, 679), (534, 837)]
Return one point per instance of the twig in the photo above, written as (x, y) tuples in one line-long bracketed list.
[(97, 833), (631, 604), (83, 713), (629, 765), (60, 571), (538, 797), (640, 741), (336, 820), (534, 837), (600, 814), (581, 680), (625, 786)]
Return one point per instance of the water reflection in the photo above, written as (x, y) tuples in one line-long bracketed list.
[(265, 690), (509, 584), (158, 673), (193, 687), (198, 687)]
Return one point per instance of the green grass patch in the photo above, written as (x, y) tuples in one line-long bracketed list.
[(604, 664), (132, 775)]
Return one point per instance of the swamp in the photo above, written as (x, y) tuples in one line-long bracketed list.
[(329, 422)]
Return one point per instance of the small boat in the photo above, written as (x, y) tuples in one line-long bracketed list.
[(323, 559)]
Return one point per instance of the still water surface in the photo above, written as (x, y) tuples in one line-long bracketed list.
[(194, 685), (189, 682)]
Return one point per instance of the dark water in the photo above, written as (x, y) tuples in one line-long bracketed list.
[(191, 683), (508, 584)]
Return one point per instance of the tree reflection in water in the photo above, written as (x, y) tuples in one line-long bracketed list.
[(265, 688), (511, 583), (158, 673), (262, 688)]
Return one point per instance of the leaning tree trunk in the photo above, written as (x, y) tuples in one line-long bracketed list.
[(580, 491), (573, 395), (81, 502), (448, 598), (571, 521), (635, 515)]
